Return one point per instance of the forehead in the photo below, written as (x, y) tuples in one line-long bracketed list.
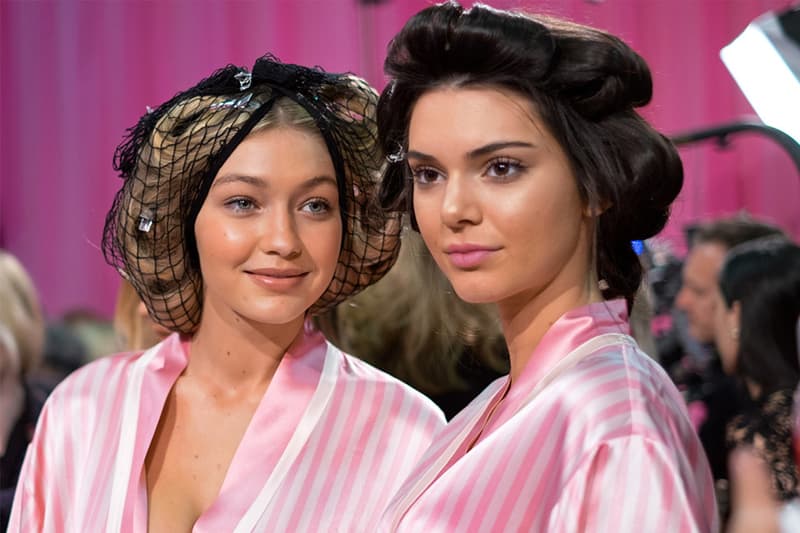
[(473, 116), (279, 147), (704, 262)]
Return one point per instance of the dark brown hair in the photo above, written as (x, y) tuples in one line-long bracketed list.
[(584, 84)]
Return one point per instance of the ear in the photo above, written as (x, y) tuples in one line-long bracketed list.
[(594, 211)]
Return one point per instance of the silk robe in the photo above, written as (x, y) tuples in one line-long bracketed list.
[(591, 436), (328, 445)]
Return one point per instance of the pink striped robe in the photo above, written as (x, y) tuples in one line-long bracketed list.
[(328, 445), (595, 439)]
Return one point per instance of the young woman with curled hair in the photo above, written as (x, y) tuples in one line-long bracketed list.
[(515, 144)]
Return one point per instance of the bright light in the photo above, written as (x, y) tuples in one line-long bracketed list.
[(766, 65)]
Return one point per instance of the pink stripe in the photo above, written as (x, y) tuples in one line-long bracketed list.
[(606, 435), (370, 434)]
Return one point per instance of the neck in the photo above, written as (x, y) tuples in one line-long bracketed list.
[(237, 354), (527, 319)]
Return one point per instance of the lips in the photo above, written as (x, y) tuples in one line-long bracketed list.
[(468, 256), (278, 272), (278, 279)]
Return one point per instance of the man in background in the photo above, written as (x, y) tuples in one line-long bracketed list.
[(708, 245)]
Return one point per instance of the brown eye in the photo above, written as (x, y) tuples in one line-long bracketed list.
[(503, 169), (426, 175)]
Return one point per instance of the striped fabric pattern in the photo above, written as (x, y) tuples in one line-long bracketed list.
[(371, 432), (606, 446)]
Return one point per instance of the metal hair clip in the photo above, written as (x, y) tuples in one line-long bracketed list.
[(145, 220), (245, 79), (148, 109), (238, 103), (398, 156)]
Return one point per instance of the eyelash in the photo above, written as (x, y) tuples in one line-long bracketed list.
[(416, 172), (326, 206), (235, 204), (514, 167)]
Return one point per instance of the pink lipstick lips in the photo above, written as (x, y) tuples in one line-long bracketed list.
[(277, 278), (468, 256)]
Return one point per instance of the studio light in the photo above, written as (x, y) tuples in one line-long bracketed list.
[(765, 63)]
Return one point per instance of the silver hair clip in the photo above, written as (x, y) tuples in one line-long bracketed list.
[(245, 79), (148, 109), (398, 156), (145, 220), (238, 103)]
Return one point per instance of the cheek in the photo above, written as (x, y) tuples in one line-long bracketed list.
[(710, 303), (426, 212), (323, 241), (219, 239)]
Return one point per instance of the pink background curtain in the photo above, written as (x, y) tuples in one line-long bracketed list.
[(75, 74)]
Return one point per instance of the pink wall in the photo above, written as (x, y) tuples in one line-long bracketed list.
[(75, 74)]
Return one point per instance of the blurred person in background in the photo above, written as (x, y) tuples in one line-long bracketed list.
[(22, 331), (709, 242), (710, 393), (755, 316), (132, 323), (94, 331), (64, 352), (412, 325)]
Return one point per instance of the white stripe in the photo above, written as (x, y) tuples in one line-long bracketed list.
[(543, 462), (365, 469), (335, 473), (584, 350), (95, 440), (406, 458), (316, 407), (127, 439)]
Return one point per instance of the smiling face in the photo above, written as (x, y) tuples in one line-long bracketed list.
[(495, 199), (268, 234)]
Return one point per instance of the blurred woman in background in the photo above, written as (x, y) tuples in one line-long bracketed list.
[(22, 333), (755, 332)]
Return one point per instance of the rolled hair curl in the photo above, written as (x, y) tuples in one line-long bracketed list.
[(583, 83)]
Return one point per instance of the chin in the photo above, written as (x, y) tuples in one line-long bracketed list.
[(474, 294), (277, 315)]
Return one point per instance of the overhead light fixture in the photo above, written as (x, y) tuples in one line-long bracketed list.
[(765, 63)]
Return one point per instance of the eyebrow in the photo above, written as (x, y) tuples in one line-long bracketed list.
[(258, 182), (477, 152)]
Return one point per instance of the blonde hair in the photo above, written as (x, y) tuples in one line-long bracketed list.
[(169, 162), (161, 261), (412, 325), (21, 311), (133, 330)]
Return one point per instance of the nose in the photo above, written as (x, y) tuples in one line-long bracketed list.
[(460, 204), (279, 234)]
